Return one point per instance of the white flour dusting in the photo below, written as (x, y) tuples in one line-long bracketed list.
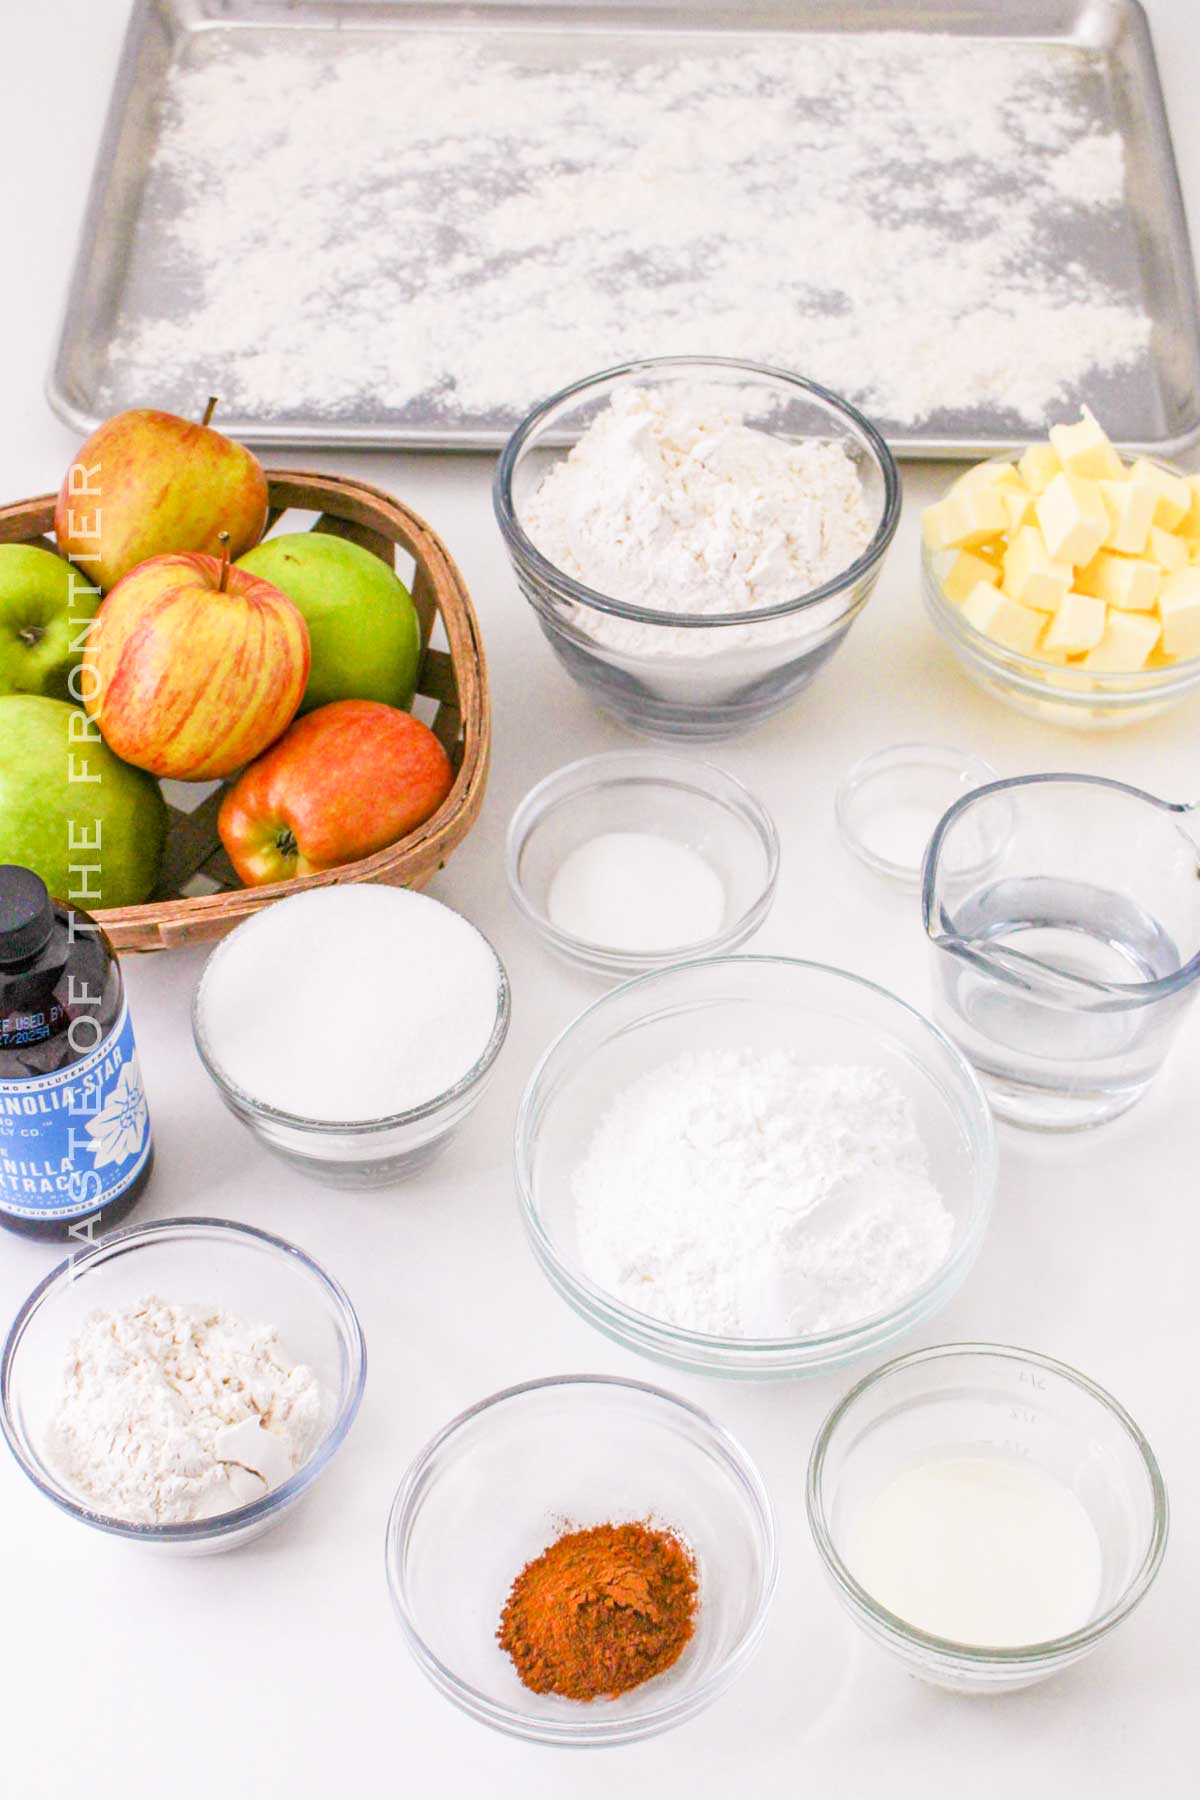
[(757, 1195), (454, 224), (669, 501), (170, 1413)]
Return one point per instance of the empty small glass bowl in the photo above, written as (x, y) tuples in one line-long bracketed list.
[(746, 665), (971, 1399), (889, 803), (761, 1003), (505, 1479), (1058, 693), (646, 791), (359, 1153), (185, 1261)]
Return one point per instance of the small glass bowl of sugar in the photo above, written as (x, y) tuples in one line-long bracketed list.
[(352, 1029), (631, 860)]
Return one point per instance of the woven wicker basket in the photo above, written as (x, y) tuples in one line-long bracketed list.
[(199, 897)]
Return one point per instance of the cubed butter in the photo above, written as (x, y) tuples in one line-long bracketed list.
[(1018, 504), (966, 519), (1179, 610), (1130, 507), (1003, 620), (1038, 467), (1078, 624), (1127, 641), (1174, 496), (991, 474), (1189, 526), (1167, 550), (967, 571), (1130, 582), (1073, 518), (1031, 575), (1084, 450)]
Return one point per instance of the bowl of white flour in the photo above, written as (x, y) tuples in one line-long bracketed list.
[(696, 536), (182, 1384), (754, 1166)]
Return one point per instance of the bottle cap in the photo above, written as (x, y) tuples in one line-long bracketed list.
[(26, 913)]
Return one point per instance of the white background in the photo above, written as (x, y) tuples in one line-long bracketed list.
[(280, 1670)]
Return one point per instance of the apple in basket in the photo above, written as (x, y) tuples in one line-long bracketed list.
[(193, 667), (146, 483), (346, 780)]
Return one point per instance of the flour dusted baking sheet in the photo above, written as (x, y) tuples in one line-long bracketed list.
[(395, 224)]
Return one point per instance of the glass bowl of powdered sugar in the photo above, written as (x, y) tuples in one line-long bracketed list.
[(696, 536), (754, 1166), (182, 1384)]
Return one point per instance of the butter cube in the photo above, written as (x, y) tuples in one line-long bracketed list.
[(1130, 507), (1038, 467), (1084, 450), (1179, 610), (1174, 496), (1129, 582), (1189, 525), (1078, 624), (1127, 641), (991, 474), (1031, 575), (966, 519), (1073, 518), (1167, 550), (1018, 504), (967, 571), (1003, 620)]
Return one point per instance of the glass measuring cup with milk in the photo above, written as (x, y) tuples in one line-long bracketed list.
[(1063, 964)]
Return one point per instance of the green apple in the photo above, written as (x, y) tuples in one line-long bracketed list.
[(44, 606), (362, 625), (67, 804)]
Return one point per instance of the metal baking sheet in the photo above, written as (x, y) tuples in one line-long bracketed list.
[(123, 271)]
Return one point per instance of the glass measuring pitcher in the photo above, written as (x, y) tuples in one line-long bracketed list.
[(1063, 912)]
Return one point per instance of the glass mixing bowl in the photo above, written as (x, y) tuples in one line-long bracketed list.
[(200, 1261), (745, 666), (970, 1398), (502, 1481), (764, 1003)]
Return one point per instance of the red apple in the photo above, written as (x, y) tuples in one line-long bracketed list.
[(192, 667), (147, 484), (343, 782)]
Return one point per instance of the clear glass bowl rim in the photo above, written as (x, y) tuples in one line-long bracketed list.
[(644, 1328), (593, 1731), (529, 811), (564, 585), (196, 1530), (274, 1115), (1130, 992), (915, 752), (1007, 1657)]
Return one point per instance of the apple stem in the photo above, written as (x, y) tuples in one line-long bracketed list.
[(224, 541), (209, 410)]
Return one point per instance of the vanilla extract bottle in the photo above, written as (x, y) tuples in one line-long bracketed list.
[(75, 1143)]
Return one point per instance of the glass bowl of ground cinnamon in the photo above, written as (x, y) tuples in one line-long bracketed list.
[(582, 1560)]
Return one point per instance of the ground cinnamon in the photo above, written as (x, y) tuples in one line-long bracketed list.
[(600, 1611)]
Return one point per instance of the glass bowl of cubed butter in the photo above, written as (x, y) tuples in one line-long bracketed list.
[(1067, 582)]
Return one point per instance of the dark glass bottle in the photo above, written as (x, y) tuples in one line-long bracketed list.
[(75, 1143)]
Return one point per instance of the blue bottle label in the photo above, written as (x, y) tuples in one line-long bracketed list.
[(73, 1141)]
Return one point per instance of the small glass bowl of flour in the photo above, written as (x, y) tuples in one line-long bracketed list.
[(134, 1373), (629, 860), (986, 1514), (754, 1166), (353, 1029), (704, 545)]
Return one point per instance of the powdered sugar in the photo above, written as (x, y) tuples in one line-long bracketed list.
[(669, 501), (748, 1194), (170, 1413), (427, 226)]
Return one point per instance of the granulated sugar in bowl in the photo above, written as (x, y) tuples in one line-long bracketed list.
[(352, 1028)]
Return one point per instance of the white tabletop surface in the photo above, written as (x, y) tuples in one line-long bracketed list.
[(280, 1669)]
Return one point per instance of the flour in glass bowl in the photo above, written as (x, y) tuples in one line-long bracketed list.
[(672, 502), (742, 1193), (425, 226)]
